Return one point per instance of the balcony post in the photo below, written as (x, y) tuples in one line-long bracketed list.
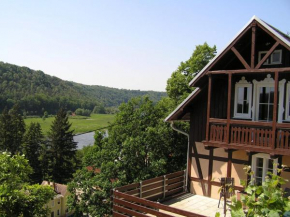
[(276, 86), (208, 106), (229, 107)]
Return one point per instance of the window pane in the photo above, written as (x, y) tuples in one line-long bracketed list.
[(243, 101), (263, 112), (270, 117), (264, 95), (271, 92), (276, 57), (245, 93), (240, 108), (259, 162), (258, 181), (246, 107)]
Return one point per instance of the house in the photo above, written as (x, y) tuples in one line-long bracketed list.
[(239, 111), (239, 115), (58, 204)]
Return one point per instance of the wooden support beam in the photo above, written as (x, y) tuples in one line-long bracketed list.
[(253, 45), (210, 167), (243, 61), (267, 55), (229, 169), (208, 106), (239, 71), (275, 109), (229, 107), (272, 35)]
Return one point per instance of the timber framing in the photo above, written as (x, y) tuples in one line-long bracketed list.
[(242, 71)]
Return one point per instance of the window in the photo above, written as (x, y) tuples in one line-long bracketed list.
[(261, 165), (58, 212), (243, 98), (58, 201), (52, 203), (275, 57), (265, 103), (52, 214), (264, 99), (261, 55)]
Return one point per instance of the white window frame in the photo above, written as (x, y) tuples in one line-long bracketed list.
[(287, 116), (271, 62), (260, 57), (243, 83), (268, 82), (265, 157), (278, 62)]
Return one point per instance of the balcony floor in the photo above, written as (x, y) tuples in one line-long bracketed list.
[(197, 204)]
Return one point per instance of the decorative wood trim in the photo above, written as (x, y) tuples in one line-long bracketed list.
[(253, 45), (267, 55), (214, 183), (266, 70), (221, 159), (229, 107), (243, 61), (272, 35), (229, 47), (208, 106), (251, 148)]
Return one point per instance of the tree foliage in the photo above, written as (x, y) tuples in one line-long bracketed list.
[(32, 148), (177, 85), (17, 197), (61, 149), (12, 129), (36, 92), (140, 146)]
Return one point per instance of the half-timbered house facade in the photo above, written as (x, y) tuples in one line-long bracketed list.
[(239, 111)]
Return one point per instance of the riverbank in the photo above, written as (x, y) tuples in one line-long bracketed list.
[(80, 124)]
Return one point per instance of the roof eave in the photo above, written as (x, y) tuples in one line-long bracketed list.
[(182, 105)]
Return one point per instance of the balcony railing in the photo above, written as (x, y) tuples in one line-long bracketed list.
[(250, 134), (140, 199)]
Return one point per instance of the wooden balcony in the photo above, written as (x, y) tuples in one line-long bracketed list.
[(140, 199), (249, 135)]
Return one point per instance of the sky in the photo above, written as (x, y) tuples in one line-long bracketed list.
[(130, 44)]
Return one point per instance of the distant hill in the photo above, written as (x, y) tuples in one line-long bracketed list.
[(37, 92)]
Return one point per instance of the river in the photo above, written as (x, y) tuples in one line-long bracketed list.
[(84, 139)]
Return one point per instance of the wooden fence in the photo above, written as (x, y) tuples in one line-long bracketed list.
[(137, 199)]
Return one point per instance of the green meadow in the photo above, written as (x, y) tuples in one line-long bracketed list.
[(80, 124)]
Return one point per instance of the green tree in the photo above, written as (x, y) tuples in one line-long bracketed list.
[(90, 193), (17, 197), (140, 146), (12, 129), (61, 149), (177, 85), (33, 141)]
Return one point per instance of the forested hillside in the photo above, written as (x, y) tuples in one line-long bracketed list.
[(37, 92)]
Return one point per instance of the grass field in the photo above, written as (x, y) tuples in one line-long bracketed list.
[(79, 123)]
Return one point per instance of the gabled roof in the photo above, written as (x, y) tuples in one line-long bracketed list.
[(283, 37), (280, 35)]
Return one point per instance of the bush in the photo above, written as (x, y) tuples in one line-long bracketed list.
[(83, 112), (262, 200)]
